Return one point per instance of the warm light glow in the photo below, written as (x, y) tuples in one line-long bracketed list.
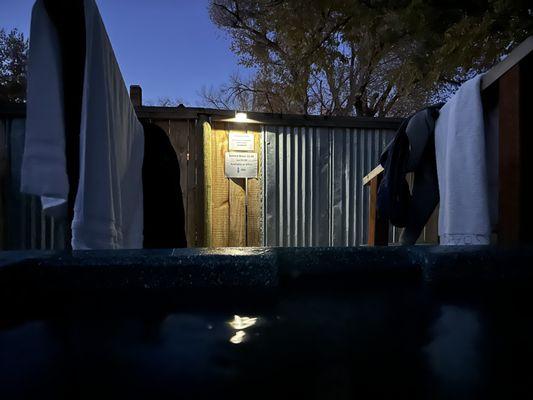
[(241, 117), (239, 324), (238, 337), (242, 322)]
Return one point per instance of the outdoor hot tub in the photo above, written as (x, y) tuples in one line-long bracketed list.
[(303, 323)]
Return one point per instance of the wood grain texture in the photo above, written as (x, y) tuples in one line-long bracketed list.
[(255, 197), (199, 201), (526, 126), (515, 140), (192, 185), (237, 216), (378, 228), (219, 190), (510, 158), (372, 174), (178, 134), (229, 222), (195, 183), (208, 182)]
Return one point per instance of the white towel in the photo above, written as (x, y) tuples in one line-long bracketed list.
[(463, 168), (108, 211), (43, 165)]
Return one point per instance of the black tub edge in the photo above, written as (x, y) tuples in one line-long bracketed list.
[(256, 268)]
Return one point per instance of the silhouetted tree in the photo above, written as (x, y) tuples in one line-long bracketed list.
[(13, 57), (164, 101), (238, 94), (362, 57)]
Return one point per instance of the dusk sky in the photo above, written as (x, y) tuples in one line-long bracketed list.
[(170, 47)]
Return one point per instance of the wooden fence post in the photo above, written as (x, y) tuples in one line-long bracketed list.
[(515, 141), (378, 227)]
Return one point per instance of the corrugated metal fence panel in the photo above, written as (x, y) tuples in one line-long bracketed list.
[(313, 184), (25, 226)]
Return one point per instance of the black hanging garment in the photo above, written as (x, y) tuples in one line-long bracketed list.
[(164, 217), (411, 150)]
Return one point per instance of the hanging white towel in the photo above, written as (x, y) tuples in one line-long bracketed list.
[(43, 165), (463, 169), (108, 210)]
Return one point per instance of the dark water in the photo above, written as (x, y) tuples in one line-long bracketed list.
[(304, 344)]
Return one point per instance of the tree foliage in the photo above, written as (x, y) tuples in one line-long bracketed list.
[(13, 57), (362, 57)]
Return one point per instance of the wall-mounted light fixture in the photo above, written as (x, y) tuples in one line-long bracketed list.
[(241, 118)]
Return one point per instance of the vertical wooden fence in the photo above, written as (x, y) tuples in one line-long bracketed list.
[(231, 218), (186, 138)]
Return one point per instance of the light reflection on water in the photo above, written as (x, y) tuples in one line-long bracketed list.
[(239, 324), (238, 337)]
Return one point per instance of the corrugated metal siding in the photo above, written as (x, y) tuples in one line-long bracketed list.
[(25, 226), (313, 184)]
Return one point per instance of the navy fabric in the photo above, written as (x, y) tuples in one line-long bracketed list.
[(411, 150)]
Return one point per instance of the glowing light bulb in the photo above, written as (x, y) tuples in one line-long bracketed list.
[(241, 117)]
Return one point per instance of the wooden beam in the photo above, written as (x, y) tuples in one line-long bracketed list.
[(372, 174), (219, 191), (255, 198), (208, 183), (509, 157), (195, 179), (217, 116), (237, 213), (378, 227), (515, 105), (515, 57), (526, 129), (199, 199)]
